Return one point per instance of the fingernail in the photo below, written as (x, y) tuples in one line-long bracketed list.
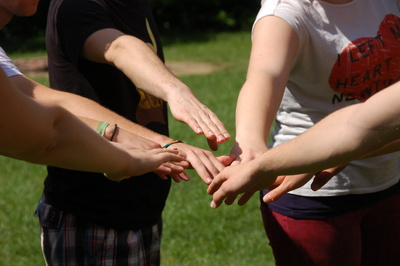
[(213, 205), (220, 138), (199, 131), (209, 180), (267, 198)]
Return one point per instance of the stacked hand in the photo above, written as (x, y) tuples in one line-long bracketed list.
[(245, 179), (186, 108)]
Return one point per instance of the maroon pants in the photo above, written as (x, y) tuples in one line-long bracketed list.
[(369, 236)]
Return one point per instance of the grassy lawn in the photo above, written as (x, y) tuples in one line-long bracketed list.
[(194, 234)]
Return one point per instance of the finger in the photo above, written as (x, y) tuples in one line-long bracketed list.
[(323, 177), (320, 180), (216, 184), (206, 165), (289, 183), (175, 178), (213, 144), (245, 197), (184, 176), (279, 180), (235, 162), (221, 132), (192, 123), (227, 160), (218, 197), (164, 155), (163, 170), (184, 164), (206, 130), (211, 125), (274, 195), (197, 164), (162, 176), (173, 168), (229, 200)]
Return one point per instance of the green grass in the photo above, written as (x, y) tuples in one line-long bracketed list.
[(194, 234)]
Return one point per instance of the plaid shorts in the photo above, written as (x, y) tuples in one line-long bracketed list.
[(66, 240)]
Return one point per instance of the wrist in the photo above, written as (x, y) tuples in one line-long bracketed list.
[(173, 142), (107, 131), (112, 132), (175, 90)]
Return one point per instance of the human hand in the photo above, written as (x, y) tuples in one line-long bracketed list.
[(144, 161), (186, 108), (175, 170), (130, 139), (284, 184), (202, 161), (321, 178), (235, 180), (246, 152)]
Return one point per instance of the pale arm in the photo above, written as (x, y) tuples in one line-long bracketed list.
[(85, 108), (47, 134), (204, 162), (359, 131), (261, 94)]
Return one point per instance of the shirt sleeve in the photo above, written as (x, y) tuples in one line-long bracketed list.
[(76, 21), (267, 9), (7, 65)]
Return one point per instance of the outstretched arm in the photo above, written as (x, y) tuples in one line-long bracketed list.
[(138, 62), (86, 109), (47, 134), (204, 162), (274, 48), (358, 131)]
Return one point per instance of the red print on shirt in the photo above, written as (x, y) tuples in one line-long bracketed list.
[(370, 64)]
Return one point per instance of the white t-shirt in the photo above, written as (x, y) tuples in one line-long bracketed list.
[(7, 65), (347, 52)]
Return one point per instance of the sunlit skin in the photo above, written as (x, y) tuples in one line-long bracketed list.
[(10, 8)]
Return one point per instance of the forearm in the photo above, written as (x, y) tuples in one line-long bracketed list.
[(90, 111), (75, 146), (137, 61), (255, 111), (335, 140), (48, 134), (269, 67), (147, 72)]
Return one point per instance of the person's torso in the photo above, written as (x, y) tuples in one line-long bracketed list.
[(347, 53), (131, 203)]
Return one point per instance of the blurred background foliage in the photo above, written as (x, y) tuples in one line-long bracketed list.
[(174, 17)]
